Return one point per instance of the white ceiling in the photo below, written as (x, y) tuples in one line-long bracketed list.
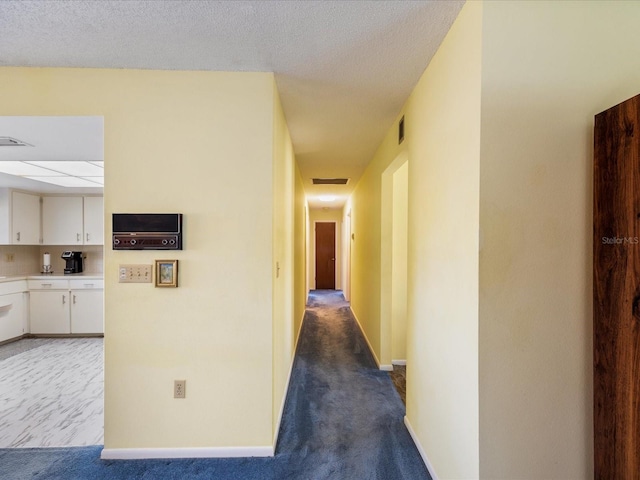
[(63, 138), (343, 68)]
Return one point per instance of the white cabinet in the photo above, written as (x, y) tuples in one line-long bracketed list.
[(25, 218), (86, 311), (66, 306), (49, 312), (62, 222), (93, 220), (13, 309), (72, 220)]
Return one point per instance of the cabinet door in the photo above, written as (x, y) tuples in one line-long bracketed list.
[(25, 219), (12, 314), (86, 311), (49, 312), (62, 220), (93, 220)]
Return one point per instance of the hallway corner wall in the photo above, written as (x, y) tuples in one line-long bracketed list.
[(442, 127), (284, 178), (300, 253), (548, 68), (442, 142), (204, 331)]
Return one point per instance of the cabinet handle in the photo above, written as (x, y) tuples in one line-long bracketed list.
[(46, 284), (77, 237), (74, 299), (18, 236), (88, 285), (64, 299), (87, 237)]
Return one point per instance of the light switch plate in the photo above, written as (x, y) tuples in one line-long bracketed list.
[(135, 273)]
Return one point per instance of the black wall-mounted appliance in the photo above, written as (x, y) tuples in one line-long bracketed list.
[(74, 262), (147, 231)]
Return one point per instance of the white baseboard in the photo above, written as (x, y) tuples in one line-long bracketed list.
[(204, 452), (386, 368), (423, 454), (368, 342), (398, 362)]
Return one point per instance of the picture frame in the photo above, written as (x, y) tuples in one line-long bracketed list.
[(166, 273)]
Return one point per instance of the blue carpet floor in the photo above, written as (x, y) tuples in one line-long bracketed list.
[(343, 420)]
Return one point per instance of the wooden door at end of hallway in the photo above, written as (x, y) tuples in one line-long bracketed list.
[(325, 255)]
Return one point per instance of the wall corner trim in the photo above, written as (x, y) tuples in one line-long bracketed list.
[(423, 454), (198, 452)]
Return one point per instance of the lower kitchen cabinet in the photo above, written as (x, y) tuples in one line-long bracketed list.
[(86, 311), (50, 312), (13, 315), (66, 307)]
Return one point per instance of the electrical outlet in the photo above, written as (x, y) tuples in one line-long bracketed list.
[(179, 388), (8, 257), (135, 274)]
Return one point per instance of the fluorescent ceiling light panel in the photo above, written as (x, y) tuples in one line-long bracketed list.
[(13, 142), (327, 198), (67, 181), (99, 180), (99, 164), (23, 169), (78, 169)]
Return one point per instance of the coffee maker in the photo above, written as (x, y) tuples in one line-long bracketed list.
[(74, 262)]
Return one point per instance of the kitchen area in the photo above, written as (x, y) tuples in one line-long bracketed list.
[(42, 293), (51, 281)]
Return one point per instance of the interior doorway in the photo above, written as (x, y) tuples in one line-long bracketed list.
[(325, 255)]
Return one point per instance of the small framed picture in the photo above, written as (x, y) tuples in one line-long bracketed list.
[(166, 273)]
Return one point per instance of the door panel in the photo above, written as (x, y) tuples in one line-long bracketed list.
[(325, 255), (616, 292)]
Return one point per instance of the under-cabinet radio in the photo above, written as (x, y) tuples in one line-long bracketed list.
[(147, 231)]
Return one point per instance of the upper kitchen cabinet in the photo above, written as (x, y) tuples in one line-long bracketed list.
[(93, 220), (25, 219), (62, 220), (72, 220)]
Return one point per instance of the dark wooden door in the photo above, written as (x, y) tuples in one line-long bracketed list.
[(616, 289), (325, 255)]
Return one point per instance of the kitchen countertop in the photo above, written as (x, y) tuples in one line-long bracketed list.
[(52, 276)]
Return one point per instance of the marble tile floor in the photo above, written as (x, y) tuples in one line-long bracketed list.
[(51, 393)]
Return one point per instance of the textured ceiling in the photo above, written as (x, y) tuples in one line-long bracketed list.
[(343, 68)]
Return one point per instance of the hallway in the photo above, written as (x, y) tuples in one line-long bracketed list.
[(343, 419)]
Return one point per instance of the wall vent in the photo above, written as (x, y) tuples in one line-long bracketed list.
[(12, 142), (330, 181)]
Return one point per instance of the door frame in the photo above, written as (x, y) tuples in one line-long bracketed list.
[(338, 252)]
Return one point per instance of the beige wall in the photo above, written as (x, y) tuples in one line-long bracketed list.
[(442, 147), (548, 68), (365, 205), (283, 268), (442, 125), (399, 256), (300, 253), (200, 143)]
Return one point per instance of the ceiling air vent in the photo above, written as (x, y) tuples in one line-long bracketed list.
[(330, 181), (12, 142)]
